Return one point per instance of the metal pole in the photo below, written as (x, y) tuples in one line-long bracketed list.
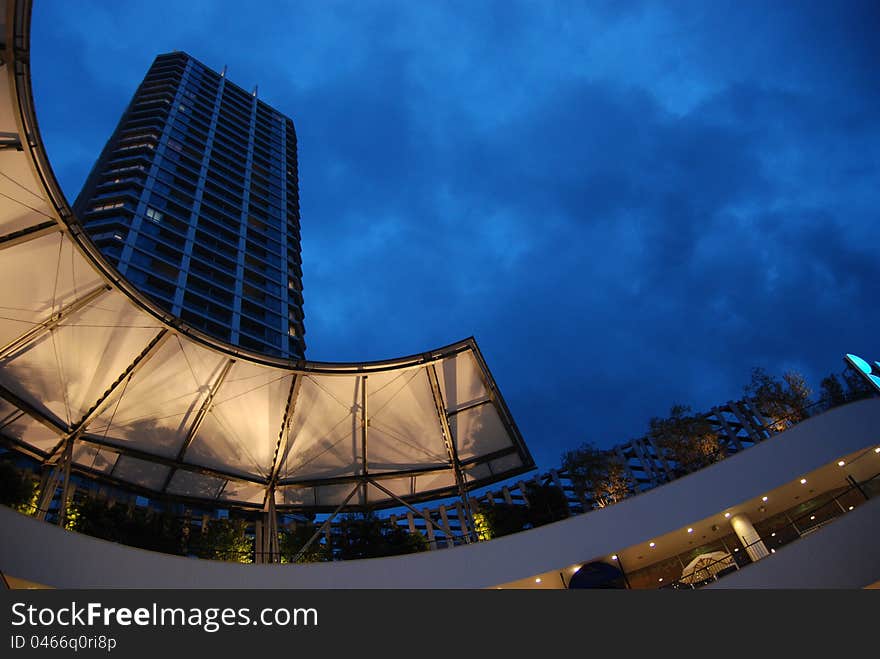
[(65, 490), (326, 523), (450, 447), (446, 530)]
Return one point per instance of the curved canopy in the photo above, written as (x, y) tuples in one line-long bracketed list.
[(143, 400)]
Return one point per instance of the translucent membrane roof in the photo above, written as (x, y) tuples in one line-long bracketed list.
[(138, 398)]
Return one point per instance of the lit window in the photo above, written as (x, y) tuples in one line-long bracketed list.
[(154, 215)]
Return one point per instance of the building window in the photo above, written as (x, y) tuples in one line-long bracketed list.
[(154, 215)]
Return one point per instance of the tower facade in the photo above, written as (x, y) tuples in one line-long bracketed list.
[(195, 200)]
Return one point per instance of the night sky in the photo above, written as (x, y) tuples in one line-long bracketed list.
[(629, 205)]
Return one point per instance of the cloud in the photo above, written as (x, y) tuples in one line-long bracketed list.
[(628, 206)]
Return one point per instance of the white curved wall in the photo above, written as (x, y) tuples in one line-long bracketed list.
[(46, 554)]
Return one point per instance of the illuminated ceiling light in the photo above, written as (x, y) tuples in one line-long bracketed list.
[(763, 498), (651, 545), (726, 515), (803, 481), (660, 579), (538, 580), (614, 558), (772, 551), (690, 530), (877, 450), (850, 507), (812, 517), (773, 535), (840, 463)]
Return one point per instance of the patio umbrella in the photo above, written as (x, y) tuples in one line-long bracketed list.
[(705, 566)]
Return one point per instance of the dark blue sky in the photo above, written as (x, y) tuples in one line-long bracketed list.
[(628, 204)]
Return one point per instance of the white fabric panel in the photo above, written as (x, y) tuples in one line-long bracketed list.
[(241, 430), (36, 378), (429, 482), (27, 298), (190, 484), (30, 431), (296, 496), (6, 410), (139, 472), (40, 276), (324, 495), (478, 431), (333, 495), (404, 429), (156, 409), (402, 487), (15, 216), (243, 492), (93, 457), (508, 462), (460, 381), (325, 431), (97, 344)]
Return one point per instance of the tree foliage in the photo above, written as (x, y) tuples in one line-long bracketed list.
[(689, 440), (499, 519), (17, 490), (597, 475), (783, 402), (369, 536), (137, 527), (292, 540), (225, 540)]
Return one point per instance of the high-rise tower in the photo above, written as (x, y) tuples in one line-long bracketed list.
[(195, 200)]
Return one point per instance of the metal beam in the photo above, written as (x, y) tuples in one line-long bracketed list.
[(445, 528), (469, 406), (166, 462), (47, 419), (364, 423), (207, 404), (52, 321), (129, 371), (30, 233), (326, 523), (431, 371), (65, 487), (284, 433)]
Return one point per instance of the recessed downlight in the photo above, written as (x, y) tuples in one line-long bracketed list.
[(840, 463), (690, 530), (803, 481), (538, 580), (764, 499), (726, 515), (651, 544)]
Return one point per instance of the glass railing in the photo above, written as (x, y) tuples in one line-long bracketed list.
[(709, 563)]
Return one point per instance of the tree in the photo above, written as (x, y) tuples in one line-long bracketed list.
[(689, 441), (832, 390), (857, 387), (16, 490), (368, 536), (292, 540), (597, 475), (546, 504), (782, 402), (135, 527), (226, 540), (498, 519)]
